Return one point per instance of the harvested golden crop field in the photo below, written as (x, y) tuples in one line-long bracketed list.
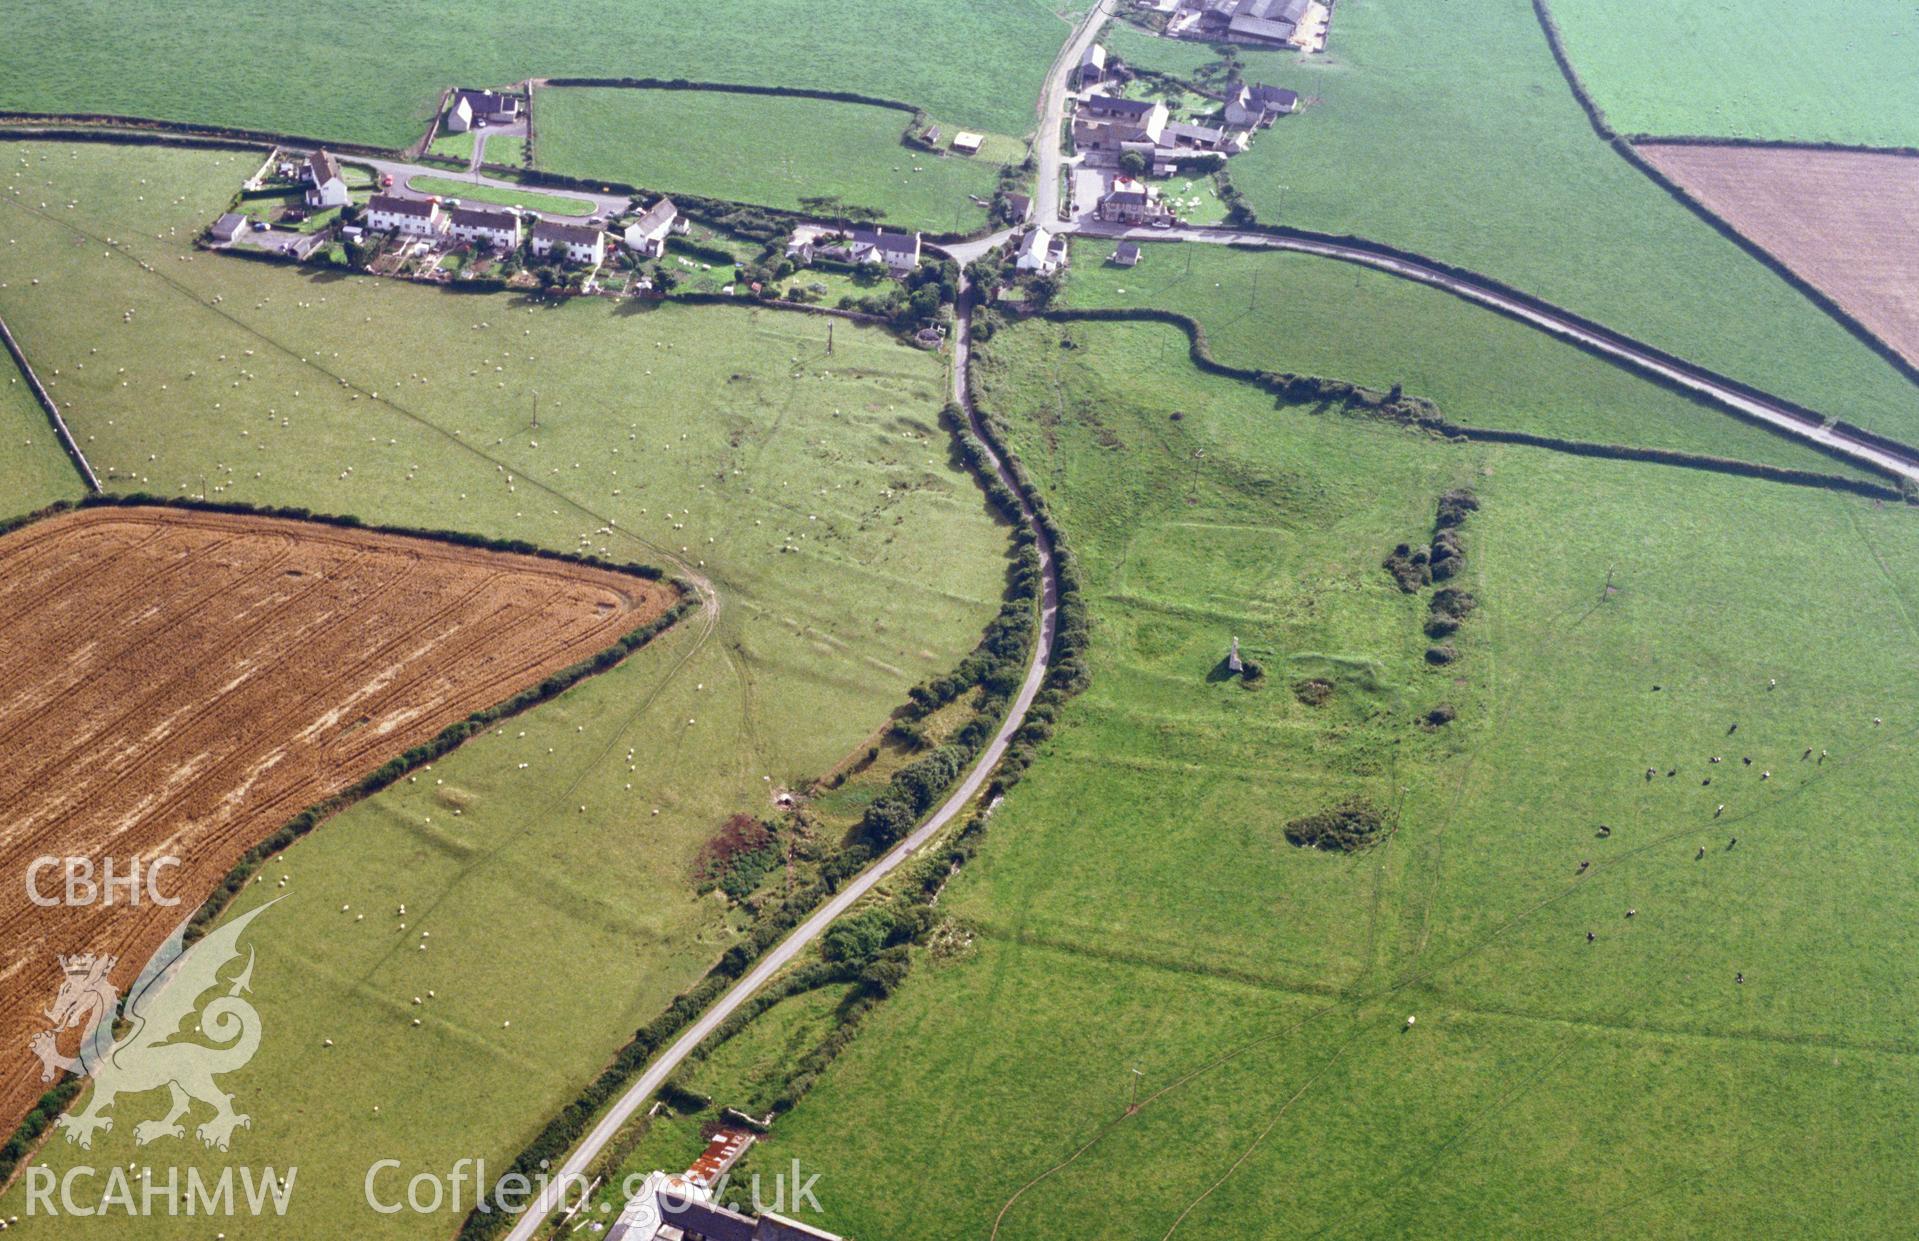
[(178, 684), (1846, 222)]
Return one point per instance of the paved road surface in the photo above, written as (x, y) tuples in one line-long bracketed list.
[(1619, 348), (770, 964), (1052, 112), (403, 173)]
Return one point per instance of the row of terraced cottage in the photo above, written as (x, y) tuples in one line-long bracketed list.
[(503, 228)]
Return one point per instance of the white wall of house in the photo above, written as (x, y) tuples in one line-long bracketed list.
[(412, 225)]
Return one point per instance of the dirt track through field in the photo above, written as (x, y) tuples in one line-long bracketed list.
[(181, 683), (1845, 222)]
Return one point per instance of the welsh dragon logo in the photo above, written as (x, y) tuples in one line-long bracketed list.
[(147, 1057)]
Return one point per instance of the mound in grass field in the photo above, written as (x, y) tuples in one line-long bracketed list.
[(181, 683)]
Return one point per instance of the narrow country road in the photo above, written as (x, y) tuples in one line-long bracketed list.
[(656, 1073), (1052, 112)]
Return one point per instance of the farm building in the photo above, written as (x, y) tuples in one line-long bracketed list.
[(1133, 202), (647, 235), (416, 217), (1257, 21), (577, 243), (1106, 122), (1181, 136), (1042, 252), (1248, 107), (498, 227), (1092, 68), (1127, 254), (1017, 206), (966, 142), (325, 186), (227, 227)]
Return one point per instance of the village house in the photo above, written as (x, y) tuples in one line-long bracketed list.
[(326, 187), (497, 227), (480, 107), (577, 243), (1042, 252), (647, 235), (1248, 107), (1092, 68), (1133, 202), (415, 217)]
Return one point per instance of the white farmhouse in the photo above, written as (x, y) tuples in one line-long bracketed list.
[(415, 217), (1041, 251), (577, 243), (647, 235), (325, 186)]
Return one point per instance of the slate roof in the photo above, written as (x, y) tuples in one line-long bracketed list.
[(904, 245), (388, 204), (660, 215), (483, 217), (322, 167), (565, 234), (1113, 105)]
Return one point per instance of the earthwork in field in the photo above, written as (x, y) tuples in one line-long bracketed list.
[(181, 683), (1846, 222)]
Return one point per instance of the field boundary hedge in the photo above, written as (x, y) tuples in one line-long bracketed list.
[(738, 88), (1417, 412), (52, 410), (910, 785), (1467, 275), (449, 738), (1623, 146)]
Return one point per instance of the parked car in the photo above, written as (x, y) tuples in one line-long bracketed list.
[(386, 180), (261, 226)]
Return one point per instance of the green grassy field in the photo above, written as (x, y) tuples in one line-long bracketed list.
[(1136, 906), (1497, 169), (532, 200), (1279, 311), (1755, 69), (231, 63), (453, 146), (771, 150), (851, 558), (34, 470), (506, 149)]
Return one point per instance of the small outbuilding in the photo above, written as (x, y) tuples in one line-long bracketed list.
[(1092, 67), (228, 227), (966, 142), (1127, 255)]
